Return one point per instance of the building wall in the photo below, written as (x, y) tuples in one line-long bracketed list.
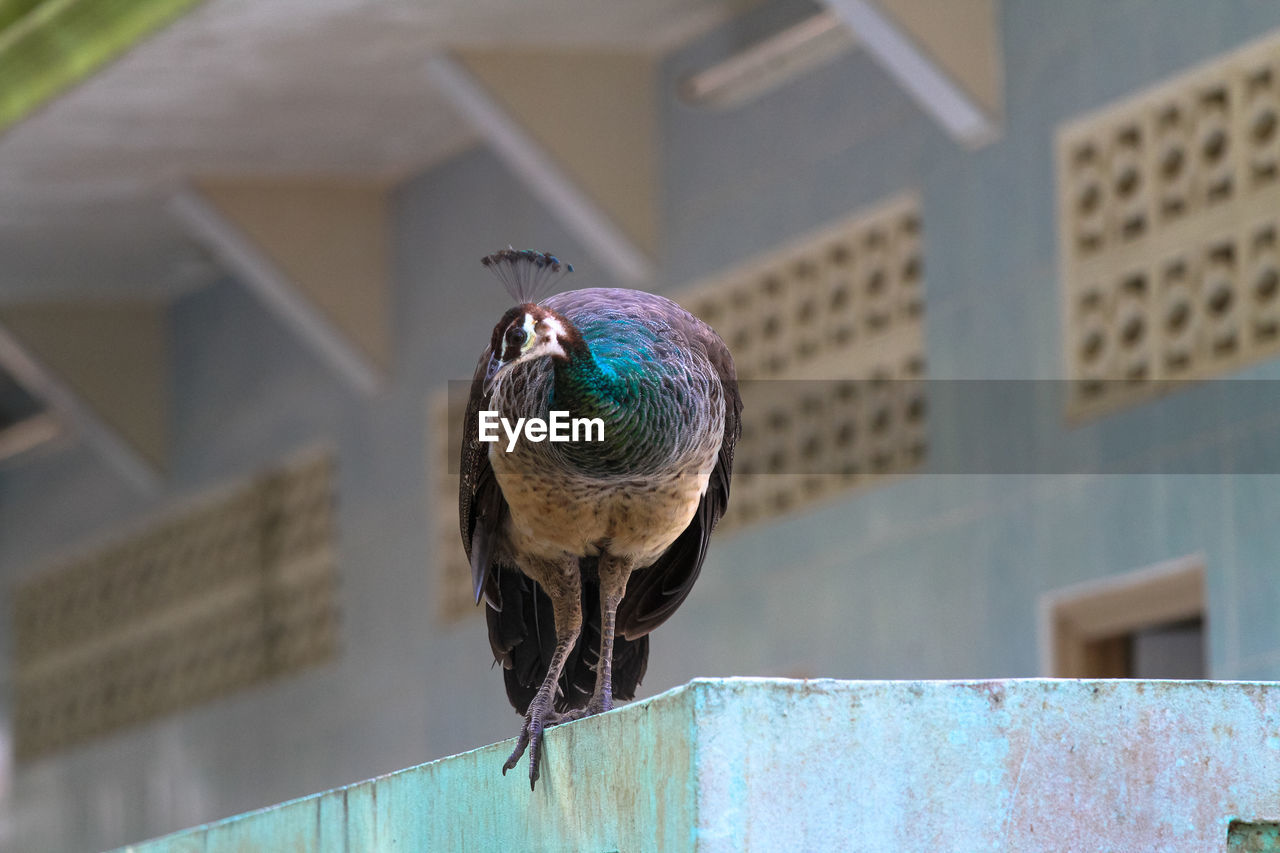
[(935, 575)]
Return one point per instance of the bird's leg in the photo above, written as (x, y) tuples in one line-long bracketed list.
[(614, 572), (564, 587)]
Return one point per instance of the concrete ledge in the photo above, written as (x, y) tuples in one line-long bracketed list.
[(773, 764)]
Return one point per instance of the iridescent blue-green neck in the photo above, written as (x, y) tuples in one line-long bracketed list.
[(586, 388), (613, 376), (613, 362)]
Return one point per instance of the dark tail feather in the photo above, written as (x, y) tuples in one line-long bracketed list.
[(630, 660), (522, 636)]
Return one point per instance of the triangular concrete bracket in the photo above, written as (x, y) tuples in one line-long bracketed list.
[(316, 252), (946, 55), (580, 129), (102, 366)]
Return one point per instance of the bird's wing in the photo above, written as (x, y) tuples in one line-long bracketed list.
[(654, 593), (518, 613), (481, 506)]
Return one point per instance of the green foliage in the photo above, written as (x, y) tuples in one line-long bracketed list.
[(46, 46), (12, 11)]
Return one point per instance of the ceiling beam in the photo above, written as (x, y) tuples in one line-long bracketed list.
[(104, 368), (30, 433), (770, 63), (512, 141), (315, 253), (934, 58)]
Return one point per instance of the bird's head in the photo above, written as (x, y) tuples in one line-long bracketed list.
[(529, 331)]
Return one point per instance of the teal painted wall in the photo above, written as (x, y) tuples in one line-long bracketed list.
[(931, 576), (773, 764)]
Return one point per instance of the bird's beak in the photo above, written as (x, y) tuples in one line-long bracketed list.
[(490, 372)]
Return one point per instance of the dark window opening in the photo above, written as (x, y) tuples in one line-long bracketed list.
[(1169, 650)]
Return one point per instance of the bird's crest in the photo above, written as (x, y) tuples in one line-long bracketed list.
[(527, 274)]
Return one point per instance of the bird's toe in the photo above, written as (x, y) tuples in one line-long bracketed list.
[(531, 739), (593, 707), (521, 743)]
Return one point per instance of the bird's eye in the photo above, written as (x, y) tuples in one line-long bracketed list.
[(516, 336)]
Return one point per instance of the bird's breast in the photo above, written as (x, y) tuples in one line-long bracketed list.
[(641, 517)]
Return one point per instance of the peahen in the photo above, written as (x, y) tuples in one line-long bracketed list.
[(581, 548)]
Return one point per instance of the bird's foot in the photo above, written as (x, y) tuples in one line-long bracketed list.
[(530, 733), (538, 718), (597, 705)]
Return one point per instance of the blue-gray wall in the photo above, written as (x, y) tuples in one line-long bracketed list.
[(935, 575)]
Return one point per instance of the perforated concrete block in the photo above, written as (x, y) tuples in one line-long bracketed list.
[(827, 334), (1169, 205), (238, 590), (451, 571)]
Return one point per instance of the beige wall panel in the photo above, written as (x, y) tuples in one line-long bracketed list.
[(596, 114), (963, 37), (115, 356), (330, 240)]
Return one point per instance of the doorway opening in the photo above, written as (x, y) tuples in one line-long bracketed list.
[(1144, 624)]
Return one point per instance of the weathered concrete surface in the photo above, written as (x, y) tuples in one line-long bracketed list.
[(773, 764)]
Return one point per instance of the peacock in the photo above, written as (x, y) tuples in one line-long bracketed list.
[(580, 548)]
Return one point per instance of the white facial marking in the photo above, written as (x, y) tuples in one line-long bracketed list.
[(550, 331), (542, 338)]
